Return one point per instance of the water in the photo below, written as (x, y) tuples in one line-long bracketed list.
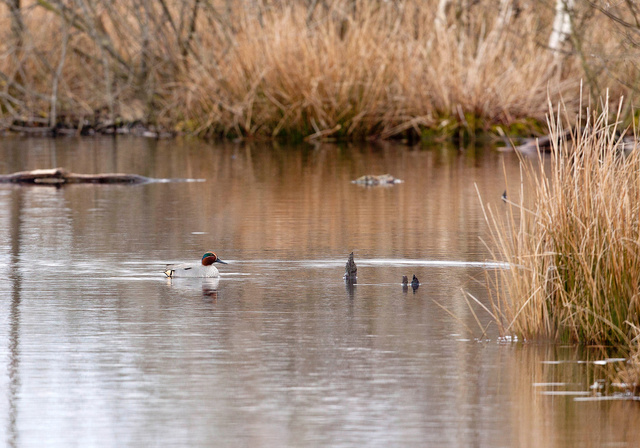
[(97, 348)]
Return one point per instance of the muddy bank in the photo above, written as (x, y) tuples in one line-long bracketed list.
[(85, 128)]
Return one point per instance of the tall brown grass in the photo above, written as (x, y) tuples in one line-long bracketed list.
[(346, 68), (388, 72), (573, 248)]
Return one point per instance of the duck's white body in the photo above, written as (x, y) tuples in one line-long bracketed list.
[(204, 269), (191, 270)]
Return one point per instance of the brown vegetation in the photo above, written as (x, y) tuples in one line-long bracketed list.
[(573, 248), (574, 251), (302, 69)]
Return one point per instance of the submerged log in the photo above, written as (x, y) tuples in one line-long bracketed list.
[(379, 179), (60, 176)]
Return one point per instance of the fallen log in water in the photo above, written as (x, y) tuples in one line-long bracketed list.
[(623, 143), (60, 176), (545, 143)]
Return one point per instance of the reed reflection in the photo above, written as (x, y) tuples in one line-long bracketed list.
[(15, 277), (549, 383)]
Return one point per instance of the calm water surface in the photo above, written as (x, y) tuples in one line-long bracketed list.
[(97, 348)]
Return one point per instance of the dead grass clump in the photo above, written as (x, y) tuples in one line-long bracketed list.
[(380, 71), (269, 68), (574, 252), (345, 68)]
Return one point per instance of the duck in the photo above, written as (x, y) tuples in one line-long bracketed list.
[(205, 269)]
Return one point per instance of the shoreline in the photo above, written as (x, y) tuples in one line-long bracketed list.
[(455, 134)]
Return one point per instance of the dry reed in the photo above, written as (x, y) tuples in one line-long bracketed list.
[(347, 68), (573, 249), (389, 72)]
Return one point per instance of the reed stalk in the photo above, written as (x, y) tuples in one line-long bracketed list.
[(572, 239)]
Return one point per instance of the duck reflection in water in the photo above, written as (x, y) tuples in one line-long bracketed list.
[(209, 286), (210, 289)]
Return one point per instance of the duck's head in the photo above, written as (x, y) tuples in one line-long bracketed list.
[(209, 258)]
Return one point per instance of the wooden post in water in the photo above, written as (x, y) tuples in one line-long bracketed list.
[(350, 270)]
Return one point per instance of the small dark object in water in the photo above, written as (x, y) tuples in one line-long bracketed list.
[(415, 282), (350, 269), (405, 280), (504, 196)]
